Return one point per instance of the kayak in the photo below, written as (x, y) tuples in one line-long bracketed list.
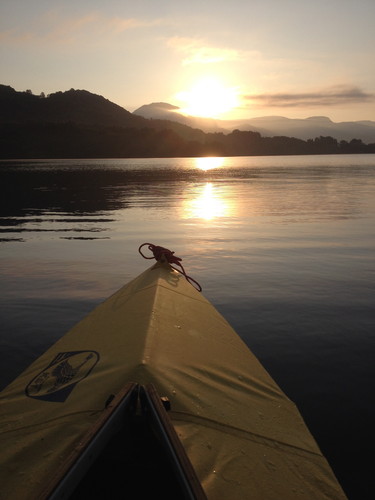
[(156, 352)]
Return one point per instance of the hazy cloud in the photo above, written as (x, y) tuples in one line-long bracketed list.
[(333, 96), (197, 52), (54, 28)]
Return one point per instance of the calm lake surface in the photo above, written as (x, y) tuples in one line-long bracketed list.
[(282, 246)]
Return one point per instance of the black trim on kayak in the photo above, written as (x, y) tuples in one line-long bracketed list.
[(135, 411), (68, 476), (155, 412)]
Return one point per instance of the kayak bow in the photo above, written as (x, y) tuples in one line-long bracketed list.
[(240, 433)]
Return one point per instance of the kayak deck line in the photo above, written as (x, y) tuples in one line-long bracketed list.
[(235, 431), (243, 437), (67, 476), (155, 410), (133, 401)]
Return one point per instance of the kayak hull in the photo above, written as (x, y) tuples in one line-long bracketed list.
[(243, 436)]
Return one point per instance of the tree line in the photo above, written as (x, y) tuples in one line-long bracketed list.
[(73, 140)]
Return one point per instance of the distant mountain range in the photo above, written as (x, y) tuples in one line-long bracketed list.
[(79, 124), (81, 106), (268, 126)]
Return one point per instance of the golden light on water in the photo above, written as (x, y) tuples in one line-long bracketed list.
[(207, 204), (209, 162)]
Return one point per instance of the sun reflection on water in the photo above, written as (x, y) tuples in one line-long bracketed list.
[(209, 162), (207, 204)]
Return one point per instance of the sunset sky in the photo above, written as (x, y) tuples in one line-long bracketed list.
[(228, 59)]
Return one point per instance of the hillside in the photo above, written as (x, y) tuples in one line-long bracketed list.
[(79, 124), (165, 111), (79, 106), (307, 128), (75, 106), (268, 126)]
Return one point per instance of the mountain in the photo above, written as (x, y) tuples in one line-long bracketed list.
[(85, 108), (165, 111), (79, 106), (79, 124), (308, 128), (157, 110), (268, 126)]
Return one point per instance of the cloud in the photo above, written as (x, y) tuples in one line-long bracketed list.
[(54, 28), (197, 52), (333, 96)]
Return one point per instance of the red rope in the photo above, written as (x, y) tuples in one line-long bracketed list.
[(159, 252)]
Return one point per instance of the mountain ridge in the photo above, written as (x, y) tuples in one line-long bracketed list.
[(268, 126), (79, 106), (84, 107), (79, 124)]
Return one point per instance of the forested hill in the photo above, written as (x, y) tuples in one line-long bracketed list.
[(77, 124), (78, 106)]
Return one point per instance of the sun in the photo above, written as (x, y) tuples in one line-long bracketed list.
[(208, 98)]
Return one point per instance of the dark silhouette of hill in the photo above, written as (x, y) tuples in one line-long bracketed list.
[(74, 106), (165, 111), (79, 124), (268, 126), (79, 106), (307, 128)]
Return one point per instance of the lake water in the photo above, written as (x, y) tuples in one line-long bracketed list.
[(282, 246)]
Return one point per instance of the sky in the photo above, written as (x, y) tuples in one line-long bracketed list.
[(218, 58)]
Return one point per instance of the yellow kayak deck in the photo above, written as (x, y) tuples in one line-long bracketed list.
[(243, 436)]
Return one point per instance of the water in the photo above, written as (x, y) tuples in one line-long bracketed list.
[(283, 247)]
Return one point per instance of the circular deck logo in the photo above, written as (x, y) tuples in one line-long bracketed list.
[(59, 378)]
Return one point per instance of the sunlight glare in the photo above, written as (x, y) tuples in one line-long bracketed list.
[(208, 205), (208, 98), (209, 162)]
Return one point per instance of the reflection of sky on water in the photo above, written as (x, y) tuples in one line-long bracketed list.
[(284, 245), (96, 199)]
